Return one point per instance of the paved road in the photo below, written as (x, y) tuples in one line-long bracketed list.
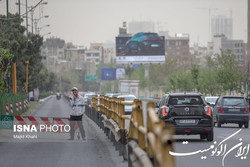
[(53, 149), (192, 143)]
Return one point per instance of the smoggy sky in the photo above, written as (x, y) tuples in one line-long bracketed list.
[(86, 21)]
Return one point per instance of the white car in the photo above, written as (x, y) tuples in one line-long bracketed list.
[(127, 98), (211, 99)]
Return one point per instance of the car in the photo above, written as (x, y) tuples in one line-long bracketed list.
[(127, 98), (211, 100), (145, 43), (88, 98), (111, 95), (188, 113), (232, 109)]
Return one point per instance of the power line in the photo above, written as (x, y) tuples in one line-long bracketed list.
[(13, 18)]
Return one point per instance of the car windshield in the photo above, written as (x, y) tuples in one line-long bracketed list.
[(185, 100), (233, 101)]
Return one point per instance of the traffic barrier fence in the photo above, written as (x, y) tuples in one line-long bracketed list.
[(15, 103), (141, 145)]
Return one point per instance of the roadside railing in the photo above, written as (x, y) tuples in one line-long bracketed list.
[(141, 145), (13, 104)]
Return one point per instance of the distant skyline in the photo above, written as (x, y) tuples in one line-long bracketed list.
[(87, 21)]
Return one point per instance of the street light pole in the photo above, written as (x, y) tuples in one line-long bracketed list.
[(32, 13), (27, 18), (19, 7), (7, 9)]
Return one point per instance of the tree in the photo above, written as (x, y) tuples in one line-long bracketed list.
[(12, 38), (195, 70), (228, 72), (5, 67)]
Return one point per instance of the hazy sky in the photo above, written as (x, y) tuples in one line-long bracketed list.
[(86, 21)]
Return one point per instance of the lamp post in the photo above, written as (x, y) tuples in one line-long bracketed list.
[(39, 29), (36, 22), (7, 10), (27, 18)]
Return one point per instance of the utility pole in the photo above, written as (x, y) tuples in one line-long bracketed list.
[(19, 7), (32, 13), (27, 18), (7, 9), (14, 79), (27, 63)]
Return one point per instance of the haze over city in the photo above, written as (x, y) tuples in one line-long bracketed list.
[(85, 21)]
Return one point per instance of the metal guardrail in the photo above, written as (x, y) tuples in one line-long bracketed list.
[(140, 145)]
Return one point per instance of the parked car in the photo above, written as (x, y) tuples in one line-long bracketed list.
[(232, 109), (188, 113), (127, 98), (145, 43)]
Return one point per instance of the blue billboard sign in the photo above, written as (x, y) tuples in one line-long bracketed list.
[(108, 73)]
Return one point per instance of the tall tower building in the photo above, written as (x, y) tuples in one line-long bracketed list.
[(141, 26), (222, 25)]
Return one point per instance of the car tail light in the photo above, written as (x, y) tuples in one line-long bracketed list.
[(208, 110), (246, 111), (221, 110), (165, 111)]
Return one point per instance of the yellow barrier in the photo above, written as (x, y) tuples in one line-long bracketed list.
[(155, 139)]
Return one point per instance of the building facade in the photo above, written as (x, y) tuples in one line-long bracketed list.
[(178, 48), (222, 25)]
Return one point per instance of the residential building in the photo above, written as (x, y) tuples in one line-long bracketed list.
[(220, 42), (93, 56), (198, 55), (178, 48)]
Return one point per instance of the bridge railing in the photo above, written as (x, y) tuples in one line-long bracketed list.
[(141, 145)]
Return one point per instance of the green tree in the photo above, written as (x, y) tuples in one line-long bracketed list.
[(5, 67), (12, 38), (228, 71)]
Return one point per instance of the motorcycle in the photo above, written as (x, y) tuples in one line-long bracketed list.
[(58, 96)]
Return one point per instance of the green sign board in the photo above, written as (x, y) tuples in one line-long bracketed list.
[(91, 78), (6, 122)]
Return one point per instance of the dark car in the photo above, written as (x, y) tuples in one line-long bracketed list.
[(145, 44), (232, 109), (188, 113)]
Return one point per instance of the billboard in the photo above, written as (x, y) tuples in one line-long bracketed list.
[(129, 87), (112, 73), (108, 73), (120, 73), (142, 47)]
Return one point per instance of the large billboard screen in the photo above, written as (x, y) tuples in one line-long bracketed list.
[(142, 47)]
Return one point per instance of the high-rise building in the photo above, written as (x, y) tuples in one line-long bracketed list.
[(141, 26), (222, 25)]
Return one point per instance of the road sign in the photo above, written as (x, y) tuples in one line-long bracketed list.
[(6, 122), (92, 78)]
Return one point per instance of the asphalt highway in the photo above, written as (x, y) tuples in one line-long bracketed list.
[(53, 149)]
